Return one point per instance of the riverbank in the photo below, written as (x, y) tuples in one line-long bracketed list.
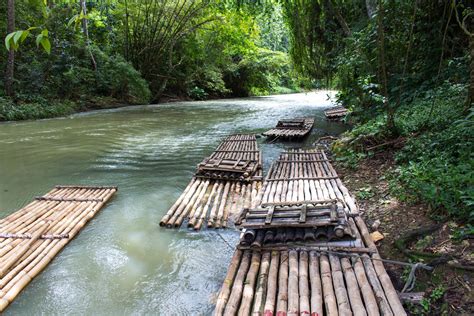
[(43, 109), (447, 290)]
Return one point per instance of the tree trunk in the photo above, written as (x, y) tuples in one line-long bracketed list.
[(371, 8), (470, 96), (340, 19), (127, 32), (85, 30), (9, 72), (383, 70)]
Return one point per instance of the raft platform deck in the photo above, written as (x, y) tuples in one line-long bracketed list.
[(296, 270), (301, 190), (224, 183), (291, 128), (31, 237)]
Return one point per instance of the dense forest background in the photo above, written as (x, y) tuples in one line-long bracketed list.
[(404, 69), (96, 53)]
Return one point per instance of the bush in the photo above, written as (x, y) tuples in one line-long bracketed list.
[(197, 93), (117, 78), (438, 167), (10, 111), (436, 164)]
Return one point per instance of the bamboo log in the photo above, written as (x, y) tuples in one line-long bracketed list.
[(250, 280), (339, 286), (233, 303), (316, 289), (352, 288), (213, 212), (293, 289), (228, 282), (173, 208), (381, 273), (328, 290), (304, 305), (272, 284), (365, 288), (282, 299), (262, 285), (384, 306), (220, 213)]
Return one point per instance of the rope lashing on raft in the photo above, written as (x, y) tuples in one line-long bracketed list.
[(411, 280)]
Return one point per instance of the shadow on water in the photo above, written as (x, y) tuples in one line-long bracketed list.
[(122, 262)]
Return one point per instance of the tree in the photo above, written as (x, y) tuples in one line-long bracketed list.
[(85, 30), (383, 67), (10, 69), (153, 30), (470, 33)]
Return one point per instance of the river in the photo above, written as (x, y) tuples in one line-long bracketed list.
[(122, 262)]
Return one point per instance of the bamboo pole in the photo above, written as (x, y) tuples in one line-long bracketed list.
[(367, 293), (233, 303), (384, 306), (269, 307), (250, 280), (173, 208), (222, 204), (228, 282), (316, 289), (328, 290), (390, 292), (293, 290), (339, 286), (282, 299), (213, 213), (352, 288), (304, 305), (262, 285)]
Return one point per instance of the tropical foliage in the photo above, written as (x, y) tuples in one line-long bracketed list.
[(139, 51)]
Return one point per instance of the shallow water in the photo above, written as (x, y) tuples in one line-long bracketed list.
[(122, 262)]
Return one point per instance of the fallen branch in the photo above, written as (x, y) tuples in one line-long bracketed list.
[(401, 243), (391, 142)]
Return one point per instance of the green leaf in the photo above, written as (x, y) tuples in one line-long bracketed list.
[(45, 32), (8, 39), (46, 45), (73, 20), (24, 35), (17, 36), (39, 38)]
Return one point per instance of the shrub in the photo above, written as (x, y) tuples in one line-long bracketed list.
[(10, 111), (436, 164)]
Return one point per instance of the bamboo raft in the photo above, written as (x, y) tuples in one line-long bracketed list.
[(336, 113), (295, 269), (301, 190), (223, 184), (31, 237), (308, 280), (292, 128)]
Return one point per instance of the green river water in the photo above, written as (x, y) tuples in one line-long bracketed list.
[(122, 262)]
